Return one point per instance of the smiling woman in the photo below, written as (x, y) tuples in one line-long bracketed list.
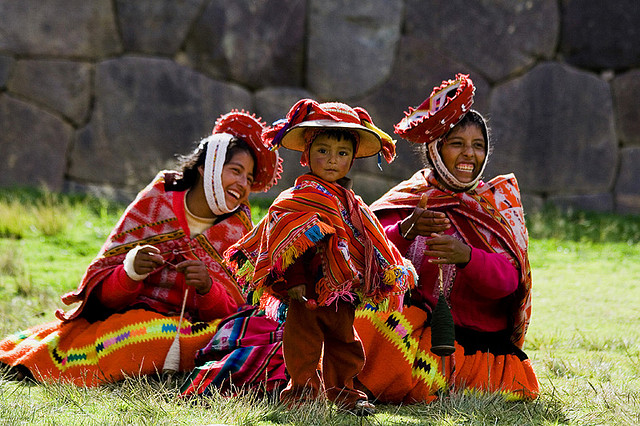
[(468, 242), (162, 259)]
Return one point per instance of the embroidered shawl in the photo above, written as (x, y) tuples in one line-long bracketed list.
[(157, 217), (356, 255), (489, 217)]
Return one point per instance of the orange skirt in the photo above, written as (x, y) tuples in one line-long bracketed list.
[(132, 343), (400, 368)]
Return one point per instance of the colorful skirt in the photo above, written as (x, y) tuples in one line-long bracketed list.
[(132, 343), (245, 354), (400, 367)]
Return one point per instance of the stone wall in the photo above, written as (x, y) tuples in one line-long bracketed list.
[(98, 95)]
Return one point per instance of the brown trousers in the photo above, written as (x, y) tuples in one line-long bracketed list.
[(305, 333)]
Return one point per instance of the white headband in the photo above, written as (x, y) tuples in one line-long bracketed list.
[(217, 145)]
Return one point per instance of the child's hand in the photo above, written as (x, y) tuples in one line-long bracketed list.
[(310, 304), (297, 292)]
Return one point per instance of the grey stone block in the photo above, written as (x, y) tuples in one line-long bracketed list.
[(147, 111), (554, 128), (257, 44), (62, 86), (33, 145), (351, 46), (66, 28)]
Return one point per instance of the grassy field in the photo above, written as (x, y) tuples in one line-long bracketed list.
[(583, 340)]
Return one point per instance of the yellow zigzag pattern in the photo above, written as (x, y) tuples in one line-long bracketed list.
[(105, 345), (408, 346)]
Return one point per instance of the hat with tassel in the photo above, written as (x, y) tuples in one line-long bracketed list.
[(308, 114)]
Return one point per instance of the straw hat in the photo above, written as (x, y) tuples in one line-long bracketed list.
[(309, 114)]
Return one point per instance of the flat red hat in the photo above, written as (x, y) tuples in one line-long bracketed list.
[(247, 127), (439, 113)]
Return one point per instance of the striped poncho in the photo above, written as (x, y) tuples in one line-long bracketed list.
[(357, 258)]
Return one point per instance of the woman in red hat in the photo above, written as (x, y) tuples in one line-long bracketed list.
[(468, 242), (321, 251), (164, 257)]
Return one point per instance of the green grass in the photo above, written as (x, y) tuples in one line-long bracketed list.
[(583, 338)]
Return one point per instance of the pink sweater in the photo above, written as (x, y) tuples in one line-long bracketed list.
[(479, 297)]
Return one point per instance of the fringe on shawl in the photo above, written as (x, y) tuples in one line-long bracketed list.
[(313, 235), (244, 270), (403, 278)]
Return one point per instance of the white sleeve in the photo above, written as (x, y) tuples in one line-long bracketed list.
[(128, 265)]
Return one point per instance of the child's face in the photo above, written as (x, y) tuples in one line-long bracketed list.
[(330, 159)]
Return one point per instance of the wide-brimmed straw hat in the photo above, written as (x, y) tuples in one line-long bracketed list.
[(309, 114), (439, 113), (249, 128)]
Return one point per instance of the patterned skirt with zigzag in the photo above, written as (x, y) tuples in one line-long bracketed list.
[(400, 367), (132, 343)]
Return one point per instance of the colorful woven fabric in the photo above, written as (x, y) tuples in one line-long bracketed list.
[(489, 217), (132, 343), (156, 217), (91, 344), (357, 256), (245, 353), (401, 368), (439, 113)]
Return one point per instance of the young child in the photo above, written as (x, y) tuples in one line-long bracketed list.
[(322, 251)]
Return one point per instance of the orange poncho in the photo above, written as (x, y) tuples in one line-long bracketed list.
[(357, 257)]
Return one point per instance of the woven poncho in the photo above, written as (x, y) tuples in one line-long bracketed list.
[(157, 217), (489, 217), (357, 257)]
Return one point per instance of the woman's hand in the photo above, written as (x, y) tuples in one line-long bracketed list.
[(196, 275), (423, 222), (297, 292), (147, 260), (447, 249)]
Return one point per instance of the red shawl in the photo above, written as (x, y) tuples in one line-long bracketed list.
[(356, 255), (490, 218), (157, 217)]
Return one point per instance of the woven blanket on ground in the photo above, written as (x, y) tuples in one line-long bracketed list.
[(356, 255), (157, 217), (400, 368), (490, 218), (132, 343), (245, 353)]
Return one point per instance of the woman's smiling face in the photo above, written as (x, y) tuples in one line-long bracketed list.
[(464, 151), (237, 178)]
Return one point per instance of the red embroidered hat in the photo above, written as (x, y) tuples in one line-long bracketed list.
[(247, 127), (308, 114), (439, 113)]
